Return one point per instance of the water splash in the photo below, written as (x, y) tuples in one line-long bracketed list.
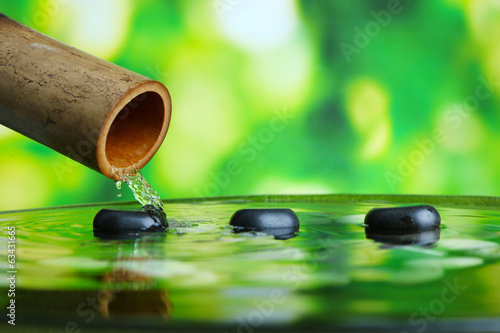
[(118, 187), (145, 194)]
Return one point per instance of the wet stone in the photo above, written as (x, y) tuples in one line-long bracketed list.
[(123, 221), (416, 217), (280, 222)]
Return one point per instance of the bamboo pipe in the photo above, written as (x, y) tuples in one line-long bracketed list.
[(97, 113)]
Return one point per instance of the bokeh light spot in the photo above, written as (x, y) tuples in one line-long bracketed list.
[(259, 25), (97, 27), (368, 111)]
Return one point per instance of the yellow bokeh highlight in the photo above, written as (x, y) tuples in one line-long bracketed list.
[(462, 128), (368, 111), (202, 108), (277, 184), (282, 77), (94, 26), (25, 186), (483, 18)]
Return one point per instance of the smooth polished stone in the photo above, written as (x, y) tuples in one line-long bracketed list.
[(119, 220), (416, 217)]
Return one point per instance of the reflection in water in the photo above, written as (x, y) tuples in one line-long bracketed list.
[(129, 292), (125, 295), (278, 233), (400, 237)]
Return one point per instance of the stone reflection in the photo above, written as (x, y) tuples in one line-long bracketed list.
[(278, 233), (426, 238), (128, 292)]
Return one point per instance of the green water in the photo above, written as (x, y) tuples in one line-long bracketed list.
[(202, 274)]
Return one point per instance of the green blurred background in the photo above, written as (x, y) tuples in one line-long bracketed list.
[(282, 96)]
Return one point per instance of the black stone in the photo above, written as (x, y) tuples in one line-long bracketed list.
[(265, 218), (282, 223), (417, 217), (403, 237), (107, 220)]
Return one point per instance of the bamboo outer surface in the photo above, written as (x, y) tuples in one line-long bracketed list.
[(58, 95)]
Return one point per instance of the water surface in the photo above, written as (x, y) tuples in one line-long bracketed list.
[(200, 273)]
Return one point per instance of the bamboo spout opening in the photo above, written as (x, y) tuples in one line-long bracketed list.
[(134, 129)]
